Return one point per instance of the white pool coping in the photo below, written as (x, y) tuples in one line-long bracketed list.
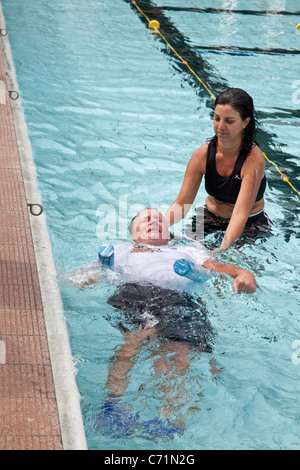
[(67, 394)]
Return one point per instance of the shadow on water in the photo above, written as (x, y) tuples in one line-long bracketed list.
[(217, 84)]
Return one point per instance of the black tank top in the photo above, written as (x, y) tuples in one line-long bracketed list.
[(226, 188)]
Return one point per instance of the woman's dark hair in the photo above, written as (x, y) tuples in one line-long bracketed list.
[(242, 102)]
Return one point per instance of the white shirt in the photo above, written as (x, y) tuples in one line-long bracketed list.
[(154, 264)]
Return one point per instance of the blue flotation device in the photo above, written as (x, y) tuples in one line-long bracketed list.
[(187, 268), (106, 254)]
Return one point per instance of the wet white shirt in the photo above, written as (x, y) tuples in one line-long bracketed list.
[(154, 264)]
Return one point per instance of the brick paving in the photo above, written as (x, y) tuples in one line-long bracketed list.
[(28, 408)]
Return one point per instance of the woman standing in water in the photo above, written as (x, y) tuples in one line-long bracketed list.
[(234, 170)]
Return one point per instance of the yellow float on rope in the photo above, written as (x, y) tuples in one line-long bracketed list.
[(298, 26), (154, 24)]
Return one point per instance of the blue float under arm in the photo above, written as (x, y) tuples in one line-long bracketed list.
[(189, 269), (106, 254)]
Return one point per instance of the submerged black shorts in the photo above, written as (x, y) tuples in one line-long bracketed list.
[(177, 316), (205, 222)]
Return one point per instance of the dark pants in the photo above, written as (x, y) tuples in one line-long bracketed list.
[(177, 315)]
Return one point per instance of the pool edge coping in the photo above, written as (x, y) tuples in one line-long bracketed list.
[(63, 369)]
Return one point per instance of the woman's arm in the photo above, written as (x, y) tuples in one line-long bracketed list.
[(251, 174), (193, 176)]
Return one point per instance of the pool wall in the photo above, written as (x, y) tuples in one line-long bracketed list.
[(39, 398)]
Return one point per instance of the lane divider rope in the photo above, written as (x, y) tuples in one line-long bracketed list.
[(154, 25)]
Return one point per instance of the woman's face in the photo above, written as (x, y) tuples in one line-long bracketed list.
[(228, 124)]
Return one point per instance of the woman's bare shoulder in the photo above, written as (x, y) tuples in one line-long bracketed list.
[(254, 161), (198, 159), (202, 150), (256, 156)]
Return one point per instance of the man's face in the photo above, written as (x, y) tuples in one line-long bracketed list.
[(150, 227)]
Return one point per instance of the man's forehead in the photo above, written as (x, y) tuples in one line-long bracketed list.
[(147, 213)]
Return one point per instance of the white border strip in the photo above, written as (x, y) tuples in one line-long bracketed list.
[(67, 394)]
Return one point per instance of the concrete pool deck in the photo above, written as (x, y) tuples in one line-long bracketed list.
[(39, 399)]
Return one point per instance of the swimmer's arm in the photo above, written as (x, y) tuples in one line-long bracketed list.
[(84, 276), (190, 186), (244, 281), (252, 174)]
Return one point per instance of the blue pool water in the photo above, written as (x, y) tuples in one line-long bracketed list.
[(113, 118)]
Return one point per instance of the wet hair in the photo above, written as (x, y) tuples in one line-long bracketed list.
[(241, 102), (130, 226)]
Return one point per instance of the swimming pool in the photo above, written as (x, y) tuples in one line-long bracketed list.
[(113, 118)]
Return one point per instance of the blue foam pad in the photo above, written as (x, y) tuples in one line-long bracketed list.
[(187, 268), (161, 427), (115, 420), (106, 254)]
